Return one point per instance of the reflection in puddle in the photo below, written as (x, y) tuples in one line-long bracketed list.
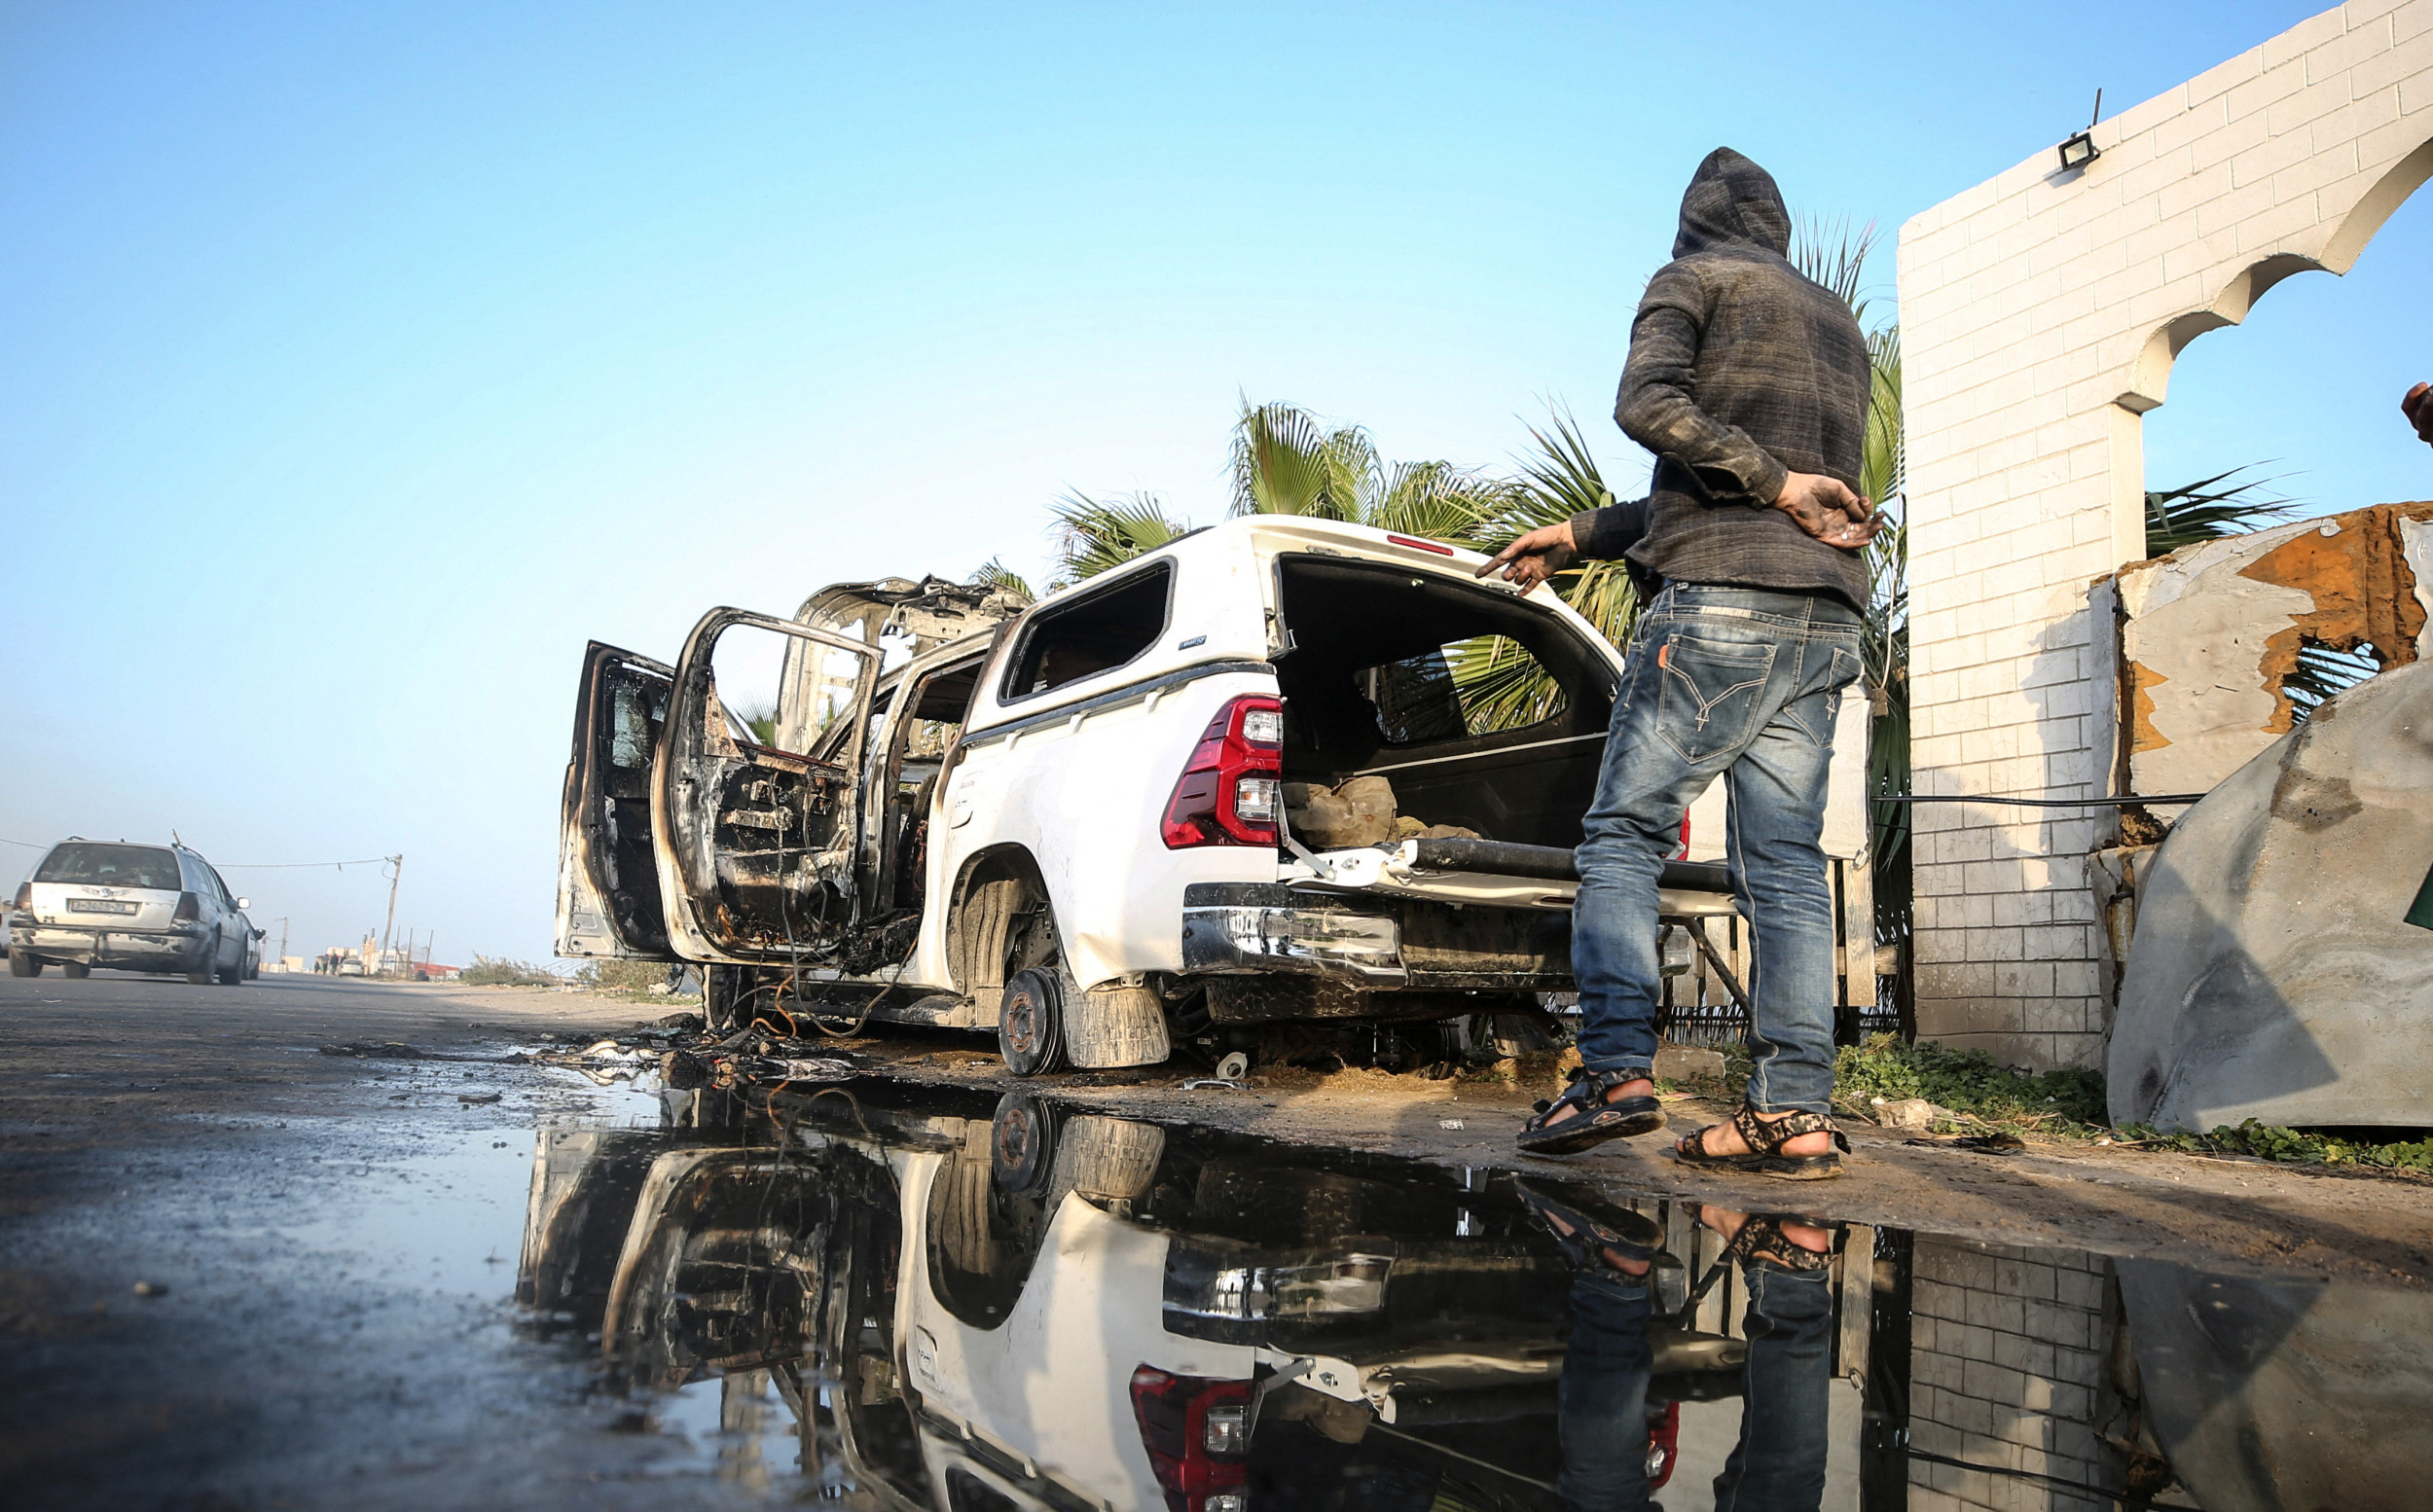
[(895, 1297)]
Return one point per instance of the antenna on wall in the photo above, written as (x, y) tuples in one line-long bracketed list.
[(2081, 149)]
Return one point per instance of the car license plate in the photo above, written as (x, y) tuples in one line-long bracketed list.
[(99, 906)]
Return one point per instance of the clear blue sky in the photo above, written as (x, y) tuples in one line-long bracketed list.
[(359, 362)]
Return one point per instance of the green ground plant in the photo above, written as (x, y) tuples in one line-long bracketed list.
[(2270, 1141), (2049, 1104), (620, 975), (493, 971)]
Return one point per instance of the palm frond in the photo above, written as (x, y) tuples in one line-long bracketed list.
[(1438, 501), (2207, 511), (1285, 463), (1884, 462), (1558, 479), (1093, 535), (1830, 253), (994, 573), (2325, 671), (1501, 685)]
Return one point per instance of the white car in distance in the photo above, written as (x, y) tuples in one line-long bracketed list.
[(130, 908)]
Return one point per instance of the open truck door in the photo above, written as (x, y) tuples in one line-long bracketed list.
[(756, 798), (608, 897)]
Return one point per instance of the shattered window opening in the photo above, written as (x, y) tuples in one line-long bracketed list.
[(1099, 631)]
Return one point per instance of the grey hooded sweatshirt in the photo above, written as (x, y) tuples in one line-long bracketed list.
[(1740, 370)]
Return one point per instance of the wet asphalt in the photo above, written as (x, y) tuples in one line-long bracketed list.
[(236, 1271)]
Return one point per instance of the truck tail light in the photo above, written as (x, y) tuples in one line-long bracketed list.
[(25, 898), (189, 909), (1683, 854), (1231, 791), (1664, 1443), (1197, 1432)]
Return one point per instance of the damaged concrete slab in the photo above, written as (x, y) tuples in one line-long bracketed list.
[(2274, 974), (2210, 634)]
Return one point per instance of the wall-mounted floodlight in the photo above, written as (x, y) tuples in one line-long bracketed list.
[(2081, 150)]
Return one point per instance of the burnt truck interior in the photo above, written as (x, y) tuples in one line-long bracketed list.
[(756, 827), (907, 782), (1481, 712)]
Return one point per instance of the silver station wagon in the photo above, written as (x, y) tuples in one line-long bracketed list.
[(130, 908)]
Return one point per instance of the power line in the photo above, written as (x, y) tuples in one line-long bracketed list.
[(245, 866)]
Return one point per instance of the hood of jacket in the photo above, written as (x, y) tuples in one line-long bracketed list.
[(1731, 201)]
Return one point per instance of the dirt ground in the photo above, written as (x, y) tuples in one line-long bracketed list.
[(2202, 1210), (331, 1240)]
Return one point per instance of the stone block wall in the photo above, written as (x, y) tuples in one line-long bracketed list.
[(2005, 1366), (2041, 311)]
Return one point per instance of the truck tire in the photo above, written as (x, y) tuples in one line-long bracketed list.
[(1022, 1144), (22, 965), (76, 970), (1030, 1022)]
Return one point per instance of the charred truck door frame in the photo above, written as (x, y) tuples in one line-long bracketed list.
[(757, 845), (610, 901)]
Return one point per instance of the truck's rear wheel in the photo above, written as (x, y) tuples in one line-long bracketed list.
[(22, 965), (1022, 1144), (75, 968), (1030, 1022)]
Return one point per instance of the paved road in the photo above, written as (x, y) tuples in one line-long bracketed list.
[(337, 1238)]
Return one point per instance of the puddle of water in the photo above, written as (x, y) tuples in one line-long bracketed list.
[(448, 1219), (889, 1296)]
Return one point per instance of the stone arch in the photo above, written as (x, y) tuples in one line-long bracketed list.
[(2151, 378), (2150, 374)]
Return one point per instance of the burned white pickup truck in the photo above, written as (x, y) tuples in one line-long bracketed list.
[(1252, 777)]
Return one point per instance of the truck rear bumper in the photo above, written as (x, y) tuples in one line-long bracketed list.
[(127, 949), (1251, 928), (1275, 951)]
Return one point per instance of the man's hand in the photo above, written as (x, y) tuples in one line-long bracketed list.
[(1536, 557), (1826, 508), (2418, 408)]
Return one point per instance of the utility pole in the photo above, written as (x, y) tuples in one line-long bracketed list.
[(282, 945), (397, 869)]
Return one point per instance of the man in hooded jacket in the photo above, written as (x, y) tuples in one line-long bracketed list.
[(1749, 383)]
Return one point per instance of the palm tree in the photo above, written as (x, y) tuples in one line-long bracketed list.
[(1093, 535), (1285, 461), (1559, 478), (1837, 258)]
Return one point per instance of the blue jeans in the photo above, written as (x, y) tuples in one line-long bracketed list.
[(1602, 1399), (1738, 683), (1785, 1395), (1778, 1464)]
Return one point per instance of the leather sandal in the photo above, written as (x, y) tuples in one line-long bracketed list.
[(1766, 1139), (1761, 1240), (1596, 1120), (1595, 1225)]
